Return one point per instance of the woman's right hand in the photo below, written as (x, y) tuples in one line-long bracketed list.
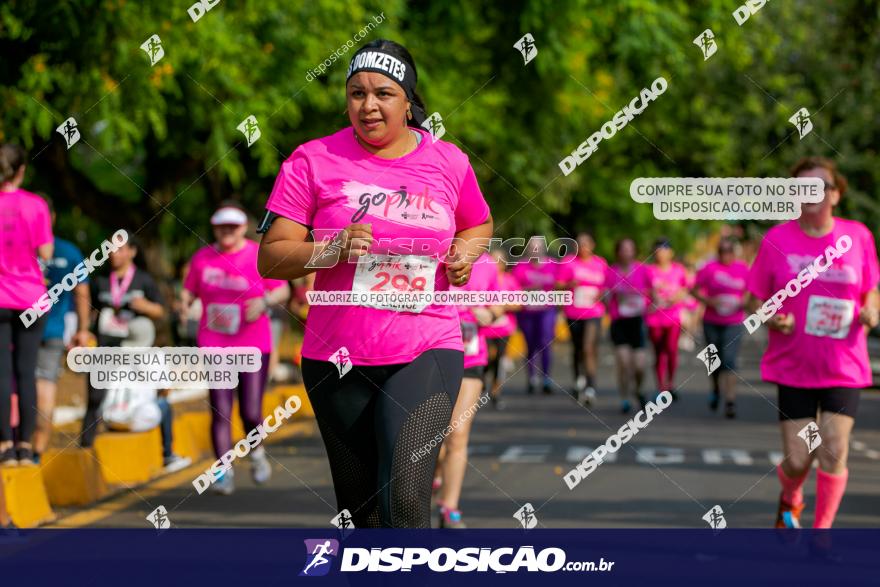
[(355, 240)]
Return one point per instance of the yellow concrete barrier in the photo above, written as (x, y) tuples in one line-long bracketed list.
[(196, 428), (516, 346), (26, 499), (72, 477), (285, 391), (129, 458)]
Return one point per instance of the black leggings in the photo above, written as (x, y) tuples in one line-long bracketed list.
[(18, 359), (379, 425)]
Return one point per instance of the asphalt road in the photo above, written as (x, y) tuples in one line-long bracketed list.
[(684, 463)]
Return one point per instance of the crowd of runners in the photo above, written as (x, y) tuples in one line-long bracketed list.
[(412, 377)]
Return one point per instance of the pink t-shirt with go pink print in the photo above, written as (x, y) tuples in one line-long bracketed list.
[(484, 277), (415, 205), (224, 282), (828, 346), (25, 224)]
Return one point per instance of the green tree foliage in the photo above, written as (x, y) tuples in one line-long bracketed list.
[(160, 147)]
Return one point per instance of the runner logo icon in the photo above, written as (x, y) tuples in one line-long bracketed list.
[(159, 518), (810, 434), (709, 356), (153, 48), (70, 131), (250, 129), (343, 520), (434, 125), (526, 516), (342, 360), (526, 46), (801, 121), (706, 42), (715, 518), (319, 556)]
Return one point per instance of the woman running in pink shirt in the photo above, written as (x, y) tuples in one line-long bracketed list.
[(817, 352), (474, 320), (669, 288), (584, 275), (499, 332), (382, 378), (538, 323), (721, 286), (25, 239), (235, 299), (628, 285)]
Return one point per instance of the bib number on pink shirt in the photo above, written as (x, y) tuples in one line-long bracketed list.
[(470, 338), (829, 317), (585, 296), (630, 305), (395, 273), (109, 324), (727, 304), (223, 318)]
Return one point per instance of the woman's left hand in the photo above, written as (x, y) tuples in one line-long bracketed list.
[(254, 308), (869, 316), (458, 271)]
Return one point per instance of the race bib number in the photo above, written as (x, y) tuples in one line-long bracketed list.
[(223, 318), (392, 274), (829, 317), (471, 339), (585, 296), (727, 304), (630, 305), (109, 324)]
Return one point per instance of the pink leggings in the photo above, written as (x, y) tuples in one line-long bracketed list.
[(665, 341)]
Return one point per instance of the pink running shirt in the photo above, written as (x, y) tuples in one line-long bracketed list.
[(484, 277), (590, 278), (727, 284), (536, 276), (223, 282), (427, 195), (667, 284), (627, 291), (25, 224), (506, 325), (828, 346)]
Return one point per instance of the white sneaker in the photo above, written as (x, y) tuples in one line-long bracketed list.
[(176, 463), (225, 485), (588, 396), (261, 469)]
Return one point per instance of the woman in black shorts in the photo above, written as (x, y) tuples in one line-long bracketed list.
[(628, 285), (826, 270)]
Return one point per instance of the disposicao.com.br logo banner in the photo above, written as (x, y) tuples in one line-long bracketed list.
[(322, 552)]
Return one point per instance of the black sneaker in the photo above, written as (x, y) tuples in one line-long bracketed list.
[(730, 410), (713, 401), (498, 403), (643, 401), (25, 456), (8, 458), (548, 389)]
